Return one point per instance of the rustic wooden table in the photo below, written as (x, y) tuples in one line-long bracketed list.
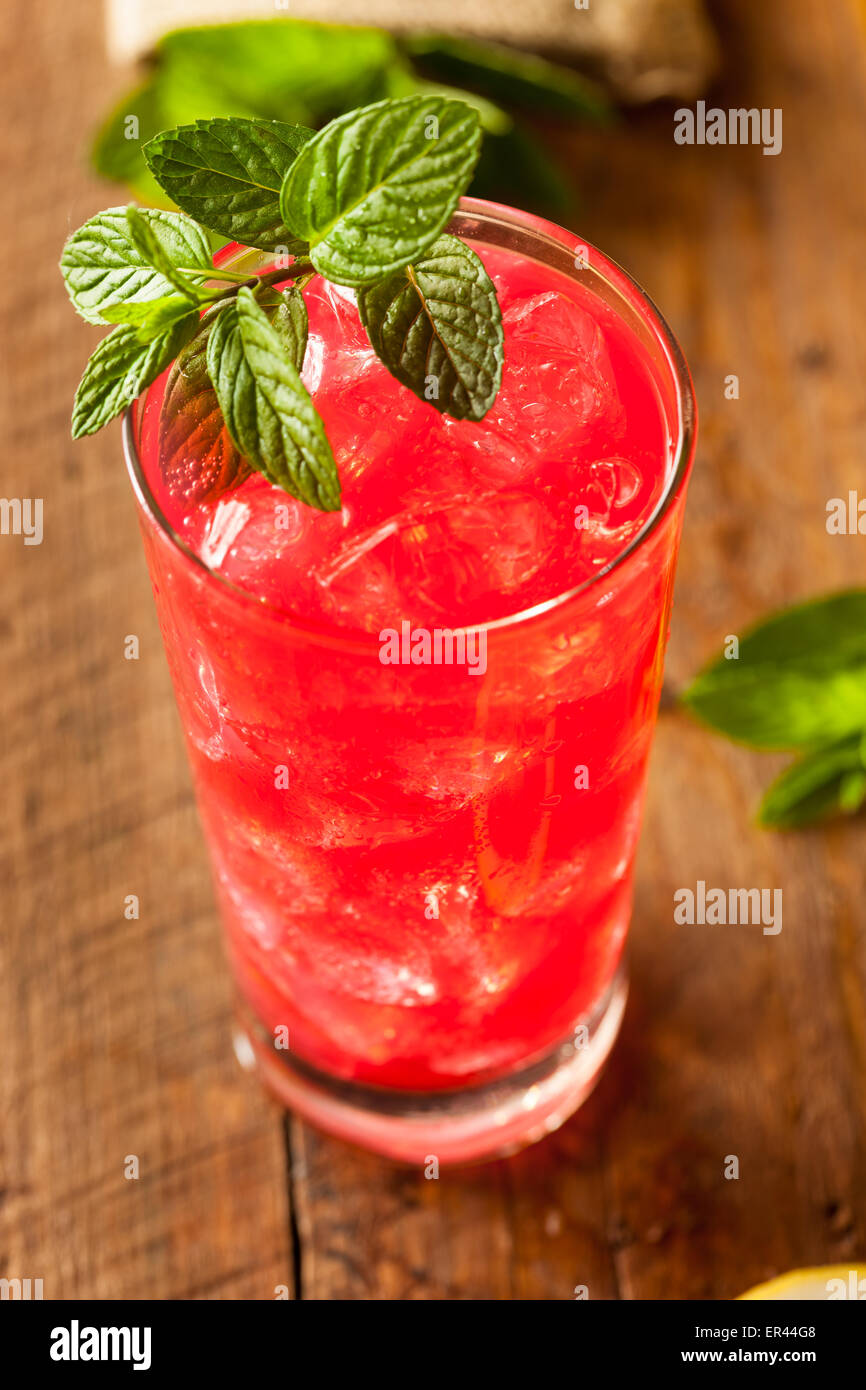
[(114, 1034)]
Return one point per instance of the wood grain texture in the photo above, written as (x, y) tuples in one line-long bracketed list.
[(114, 1033), (734, 1043)]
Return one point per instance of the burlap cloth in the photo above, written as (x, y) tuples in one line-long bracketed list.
[(642, 48)]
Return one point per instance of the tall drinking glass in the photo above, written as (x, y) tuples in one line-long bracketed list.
[(423, 841)]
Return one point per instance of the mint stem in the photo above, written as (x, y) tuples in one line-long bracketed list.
[(215, 273), (273, 277)]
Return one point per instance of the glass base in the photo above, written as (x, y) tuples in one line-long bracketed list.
[(476, 1122)]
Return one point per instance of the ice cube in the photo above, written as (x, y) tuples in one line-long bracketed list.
[(457, 558), (558, 383), (268, 543), (612, 486), (487, 454), (553, 319)]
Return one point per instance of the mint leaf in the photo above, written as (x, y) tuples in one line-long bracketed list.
[(437, 327), (373, 189), (291, 322), (102, 265), (227, 173), (151, 249), (198, 458), (506, 75), (150, 318), (832, 779), (799, 681), (266, 406), (852, 789), (290, 69), (119, 370)]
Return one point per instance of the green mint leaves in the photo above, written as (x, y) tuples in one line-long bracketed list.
[(228, 174), (119, 370), (363, 203), (799, 678), (829, 781), (198, 457), (373, 189), (143, 235), (152, 317), (290, 321), (437, 327), (798, 683), (266, 407), (103, 263)]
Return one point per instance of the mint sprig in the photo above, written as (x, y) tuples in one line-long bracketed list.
[(363, 203), (798, 683)]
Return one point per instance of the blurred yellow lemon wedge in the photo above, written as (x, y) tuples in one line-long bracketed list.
[(823, 1283)]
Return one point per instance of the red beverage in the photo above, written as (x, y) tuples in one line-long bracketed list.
[(419, 727)]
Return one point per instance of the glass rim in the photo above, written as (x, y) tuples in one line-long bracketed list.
[(480, 213)]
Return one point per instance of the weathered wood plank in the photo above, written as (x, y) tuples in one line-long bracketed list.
[(734, 1042), (114, 1032)]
